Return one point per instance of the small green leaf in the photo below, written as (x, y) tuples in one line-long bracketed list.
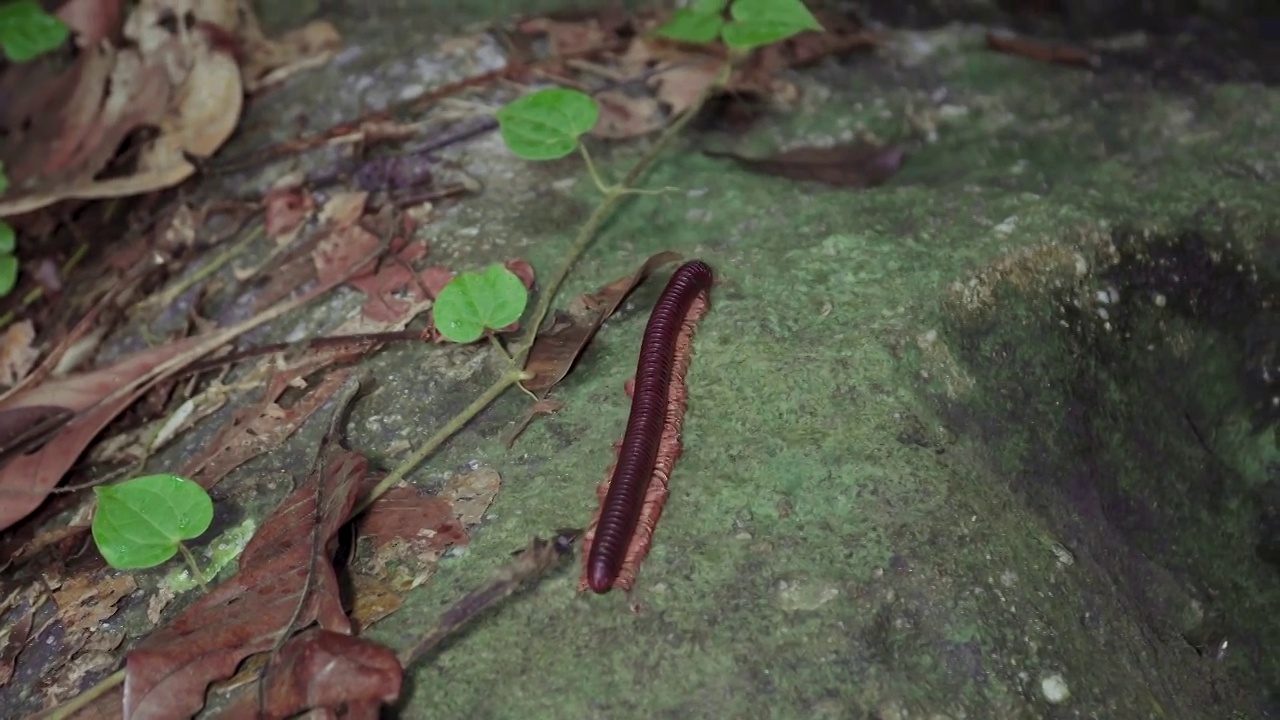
[(140, 522), (8, 239), (689, 25), (474, 301), (8, 274), (762, 22), (4, 180), (27, 31), (545, 125)]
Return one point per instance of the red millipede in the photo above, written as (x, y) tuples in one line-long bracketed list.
[(621, 507)]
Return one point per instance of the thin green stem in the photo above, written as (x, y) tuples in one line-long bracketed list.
[(195, 569), (509, 378), (604, 211)]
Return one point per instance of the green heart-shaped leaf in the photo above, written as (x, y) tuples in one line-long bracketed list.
[(139, 522), (546, 125), (473, 301)]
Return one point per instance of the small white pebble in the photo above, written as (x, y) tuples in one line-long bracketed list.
[(1159, 299), (1054, 688)]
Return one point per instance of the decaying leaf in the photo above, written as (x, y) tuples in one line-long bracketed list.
[(265, 425), (14, 635), (325, 670), (85, 602), (471, 493), (860, 164), (286, 580)]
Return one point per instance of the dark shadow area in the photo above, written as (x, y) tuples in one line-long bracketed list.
[(1137, 413)]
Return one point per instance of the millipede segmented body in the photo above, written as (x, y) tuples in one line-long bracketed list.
[(621, 508)]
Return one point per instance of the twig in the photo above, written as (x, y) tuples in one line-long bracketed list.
[(530, 563)]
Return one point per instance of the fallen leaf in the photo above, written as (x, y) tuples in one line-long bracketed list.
[(286, 580), (265, 425), (85, 602), (323, 669), (272, 61), (556, 349), (405, 513), (140, 71), (17, 356), (860, 164)]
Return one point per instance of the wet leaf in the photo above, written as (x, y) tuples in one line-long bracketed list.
[(546, 125), (286, 579), (323, 669), (139, 522), (556, 349), (8, 239), (858, 165), (474, 301)]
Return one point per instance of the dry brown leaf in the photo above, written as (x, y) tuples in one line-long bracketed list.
[(84, 602), (319, 669), (265, 425), (143, 71), (272, 61), (284, 212), (13, 637)]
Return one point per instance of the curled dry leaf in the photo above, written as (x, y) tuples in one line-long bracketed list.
[(320, 669), (860, 164)]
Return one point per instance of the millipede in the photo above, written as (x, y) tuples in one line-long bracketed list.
[(632, 500)]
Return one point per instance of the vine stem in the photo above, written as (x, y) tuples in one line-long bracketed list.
[(613, 195), (456, 423)]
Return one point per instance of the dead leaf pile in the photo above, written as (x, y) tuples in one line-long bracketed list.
[(131, 73)]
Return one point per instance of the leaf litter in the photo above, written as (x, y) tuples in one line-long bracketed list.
[(286, 581)]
